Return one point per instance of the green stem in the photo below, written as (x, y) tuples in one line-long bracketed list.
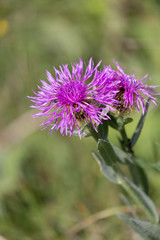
[(131, 190), (128, 186), (92, 131), (124, 135), (126, 146)]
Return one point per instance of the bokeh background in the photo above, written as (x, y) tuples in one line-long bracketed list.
[(49, 183)]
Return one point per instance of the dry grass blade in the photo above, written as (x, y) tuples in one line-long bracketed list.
[(96, 217)]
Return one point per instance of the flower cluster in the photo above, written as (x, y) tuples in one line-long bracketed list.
[(86, 94), (133, 92)]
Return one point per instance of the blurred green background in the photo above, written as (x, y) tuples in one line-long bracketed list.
[(49, 183)]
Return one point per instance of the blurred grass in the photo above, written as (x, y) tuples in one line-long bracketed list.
[(48, 183)]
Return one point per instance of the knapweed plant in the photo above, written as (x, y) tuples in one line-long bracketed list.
[(86, 100)]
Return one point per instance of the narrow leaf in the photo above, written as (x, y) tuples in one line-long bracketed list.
[(113, 121), (123, 157), (103, 129), (145, 229), (139, 177), (111, 153), (92, 131), (139, 127), (106, 151), (128, 203), (107, 171), (145, 164), (128, 120), (140, 198), (120, 122)]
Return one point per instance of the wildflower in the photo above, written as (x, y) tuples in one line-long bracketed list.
[(132, 92), (74, 98)]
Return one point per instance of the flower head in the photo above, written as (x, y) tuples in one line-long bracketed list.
[(74, 97), (133, 92)]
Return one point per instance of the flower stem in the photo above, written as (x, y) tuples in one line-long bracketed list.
[(92, 131), (125, 143), (134, 193)]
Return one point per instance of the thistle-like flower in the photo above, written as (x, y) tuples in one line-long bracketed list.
[(74, 98), (132, 92)]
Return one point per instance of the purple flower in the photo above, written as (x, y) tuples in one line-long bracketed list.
[(76, 97), (132, 92)]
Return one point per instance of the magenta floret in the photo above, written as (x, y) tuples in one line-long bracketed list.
[(135, 92), (75, 97)]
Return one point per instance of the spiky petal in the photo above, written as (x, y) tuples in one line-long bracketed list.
[(75, 97), (133, 92)]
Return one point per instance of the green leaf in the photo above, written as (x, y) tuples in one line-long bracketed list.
[(147, 230), (111, 153), (106, 170), (92, 131), (128, 120), (140, 198), (145, 164), (103, 129), (113, 121), (139, 177), (106, 151), (128, 203), (123, 157), (139, 127), (120, 122)]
